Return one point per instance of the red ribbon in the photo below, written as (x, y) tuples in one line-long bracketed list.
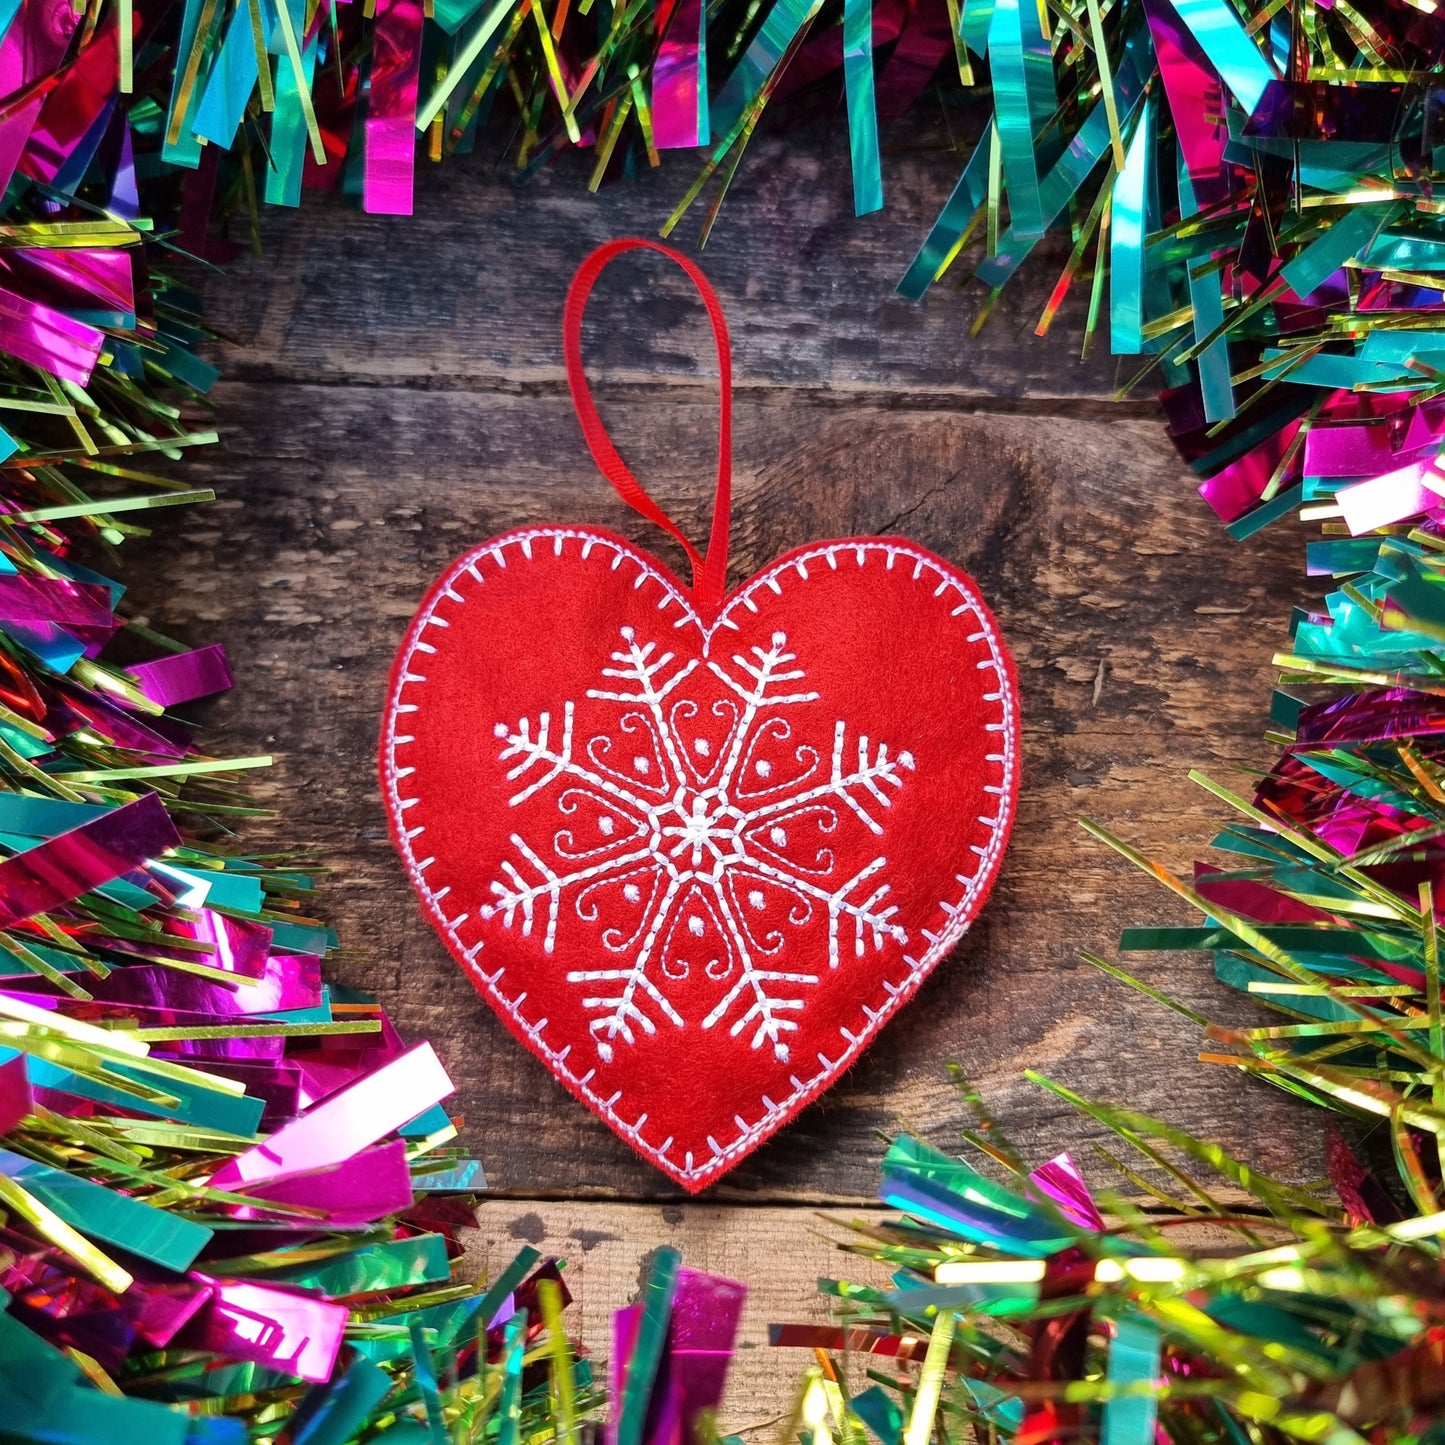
[(709, 573)]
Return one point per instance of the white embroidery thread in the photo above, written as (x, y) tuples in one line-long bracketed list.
[(696, 837)]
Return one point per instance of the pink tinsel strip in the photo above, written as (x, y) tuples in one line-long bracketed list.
[(184, 676), (344, 1124), (285, 1329), (53, 873), (48, 339), (391, 114), (678, 115)]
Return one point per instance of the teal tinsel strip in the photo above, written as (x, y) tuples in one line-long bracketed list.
[(968, 195), (1208, 305), (187, 149), (1126, 254), (1230, 49), (862, 108), (879, 1413), (509, 1411), (783, 22), (1024, 100), (1353, 233), (647, 1349), (44, 1400), (346, 1406), (164, 1238), (232, 81), (1134, 1360), (288, 124), (202, 1108), (426, 1383)]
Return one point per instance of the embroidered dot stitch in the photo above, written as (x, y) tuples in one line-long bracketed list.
[(697, 849)]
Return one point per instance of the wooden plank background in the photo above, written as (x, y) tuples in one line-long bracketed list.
[(394, 393)]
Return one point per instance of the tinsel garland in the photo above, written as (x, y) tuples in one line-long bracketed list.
[(232, 1208)]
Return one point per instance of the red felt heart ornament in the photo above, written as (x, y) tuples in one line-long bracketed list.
[(697, 849)]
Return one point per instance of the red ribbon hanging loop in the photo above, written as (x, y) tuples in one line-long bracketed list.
[(709, 573)]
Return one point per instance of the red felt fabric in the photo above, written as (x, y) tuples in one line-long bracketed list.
[(722, 877)]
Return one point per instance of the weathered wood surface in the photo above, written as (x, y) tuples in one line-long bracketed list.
[(779, 1252), (394, 394), (468, 292)]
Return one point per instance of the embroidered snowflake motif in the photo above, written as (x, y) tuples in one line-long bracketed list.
[(707, 838)]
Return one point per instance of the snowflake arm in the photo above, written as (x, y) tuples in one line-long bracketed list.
[(638, 666), (517, 895), (768, 667), (762, 1005), (623, 1009), (871, 771), (538, 753), (869, 917), (532, 751)]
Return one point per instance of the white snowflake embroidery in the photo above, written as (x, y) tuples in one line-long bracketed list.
[(707, 822)]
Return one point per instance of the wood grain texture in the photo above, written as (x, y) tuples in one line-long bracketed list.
[(395, 395)]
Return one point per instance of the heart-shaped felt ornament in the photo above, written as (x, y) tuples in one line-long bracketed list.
[(696, 849)]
